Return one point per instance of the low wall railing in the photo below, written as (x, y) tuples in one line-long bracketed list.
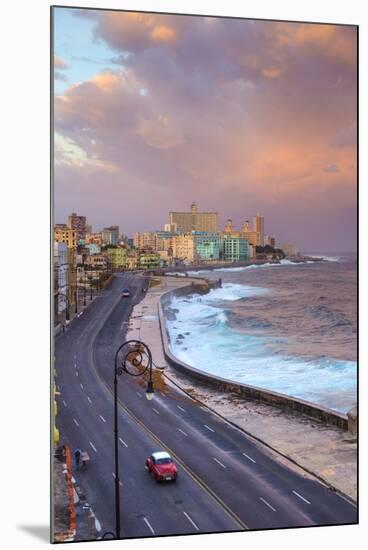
[(279, 400)]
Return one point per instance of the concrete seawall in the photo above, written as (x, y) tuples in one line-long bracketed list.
[(255, 393)]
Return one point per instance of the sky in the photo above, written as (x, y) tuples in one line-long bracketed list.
[(153, 112)]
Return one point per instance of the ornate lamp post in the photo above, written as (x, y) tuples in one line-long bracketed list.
[(134, 358)]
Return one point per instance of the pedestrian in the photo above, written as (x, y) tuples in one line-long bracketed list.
[(77, 455), (85, 459)]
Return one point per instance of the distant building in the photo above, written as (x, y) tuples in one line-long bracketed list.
[(144, 241), (78, 223), (290, 249), (97, 261), (116, 258), (194, 220), (93, 238), (60, 276), (183, 248), (235, 249), (270, 240), (149, 260), (93, 248), (258, 226), (110, 235), (63, 234), (207, 245), (171, 227), (253, 237)]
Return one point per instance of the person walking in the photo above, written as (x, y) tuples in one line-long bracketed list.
[(85, 459), (77, 454)]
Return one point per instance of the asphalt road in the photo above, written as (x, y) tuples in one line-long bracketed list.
[(226, 482)]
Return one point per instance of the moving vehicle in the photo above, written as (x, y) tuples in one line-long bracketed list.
[(161, 466), (125, 293)]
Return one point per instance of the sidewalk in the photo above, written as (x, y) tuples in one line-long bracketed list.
[(324, 451)]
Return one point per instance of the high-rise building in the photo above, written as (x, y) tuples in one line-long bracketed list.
[(235, 249), (253, 237), (110, 235), (259, 227), (194, 220), (78, 223), (63, 234), (60, 276)]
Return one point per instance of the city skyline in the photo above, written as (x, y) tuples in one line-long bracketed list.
[(241, 116)]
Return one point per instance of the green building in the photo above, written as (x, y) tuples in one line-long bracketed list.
[(116, 258), (207, 245), (149, 260), (235, 249)]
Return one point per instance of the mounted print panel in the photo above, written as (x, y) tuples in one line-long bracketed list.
[(204, 174)]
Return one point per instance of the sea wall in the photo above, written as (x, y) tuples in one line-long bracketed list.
[(279, 400)]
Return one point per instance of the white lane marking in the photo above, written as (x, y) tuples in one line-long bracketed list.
[(181, 408), (123, 442), (113, 475), (76, 373), (89, 399), (81, 385), (149, 525), (75, 365), (191, 521), (218, 462), (267, 504), (301, 497), (75, 422), (155, 410), (65, 405), (93, 447), (249, 458), (102, 418), (182, 431), (139, 395), (208, 428)]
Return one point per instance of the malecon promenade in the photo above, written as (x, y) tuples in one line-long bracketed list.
[(302, 442)]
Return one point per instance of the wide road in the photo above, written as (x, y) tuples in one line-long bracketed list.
[(226, 480)]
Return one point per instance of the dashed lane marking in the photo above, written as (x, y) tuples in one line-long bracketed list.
[(65, 405), (76, 373), (149, 525), (123, 442), (155, 410), (191, 521), (183, 432), (89, 400), (301, 497), (208, 428), (139, 395), (93, 447), (218, 462), (181, 408), (75, 422), (267, 504), (81, 385), (120, 483), (102, 418), (249, 458)]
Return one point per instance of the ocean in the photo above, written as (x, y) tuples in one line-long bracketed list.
[(290, 328)]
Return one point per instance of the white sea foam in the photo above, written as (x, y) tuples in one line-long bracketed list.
[(329, 258), (201, 336)]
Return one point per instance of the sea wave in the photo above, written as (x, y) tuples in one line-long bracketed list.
[(200, 335)]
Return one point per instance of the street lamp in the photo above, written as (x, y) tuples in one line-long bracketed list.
[(135, 360)]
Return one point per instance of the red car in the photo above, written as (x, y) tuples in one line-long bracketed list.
[(161, 466)]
